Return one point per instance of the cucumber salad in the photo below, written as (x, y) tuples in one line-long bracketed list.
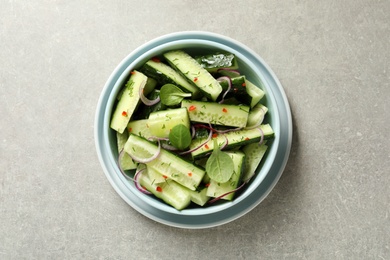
[(190, 129)]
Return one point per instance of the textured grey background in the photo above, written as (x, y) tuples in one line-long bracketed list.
[(332, 57)]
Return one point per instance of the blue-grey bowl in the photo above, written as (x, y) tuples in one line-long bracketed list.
[(279, 116)]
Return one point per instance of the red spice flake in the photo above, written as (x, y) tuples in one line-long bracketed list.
[(124, 113), (206, 146), (243, 84), (224, 110), (195, 79), (190, 174), (207, 184), (130, 129), (191, 108), (156, 59), (247, 138), (165, 177), (132, 72), (215, 135), (159, 189)]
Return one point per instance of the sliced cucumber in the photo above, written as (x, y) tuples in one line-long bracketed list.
[(214, 113), (169, 191), (213, 62), (255, 92), (161, 122), (199, 197), (164, 74), (125, 161), (216, 189), (195, 73), (234, 138), (166, 163), (128, 102), (140, 128), (256, 115), (254, 154)]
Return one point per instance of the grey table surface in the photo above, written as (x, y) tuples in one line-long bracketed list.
[(332, 58)]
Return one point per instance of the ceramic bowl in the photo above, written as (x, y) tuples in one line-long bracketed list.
[(272, 166)]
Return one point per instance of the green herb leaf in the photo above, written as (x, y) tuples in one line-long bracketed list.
[(180, 136), (220, 165), (172, 95)]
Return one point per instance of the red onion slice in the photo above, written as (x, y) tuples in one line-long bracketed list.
[(143, 160), (229, 80), (137, 184), (229, 70), (227, 193), (145, 100)]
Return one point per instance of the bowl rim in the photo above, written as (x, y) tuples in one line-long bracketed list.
[(140, 53)]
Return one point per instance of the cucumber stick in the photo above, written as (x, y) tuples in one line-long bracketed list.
[(254, 154), (195, 73), (167, 164), (255, 92), (169, 191), (215, 113), (128, 102), (216, 189), (161, 122), (213, 62), (234, 138), (256, 115), (164, 74), (140, 128), (125, 161)]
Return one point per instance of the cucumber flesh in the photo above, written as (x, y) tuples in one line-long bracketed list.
[(214, 113), (195, 73), (165, 74), (199, 197), (216, 189), (161, 122), (235, 139), (256, 115), (125, 161), (140, 128), (169, 191), (255, 92), (128, 102), (254, 154), (168, 164)]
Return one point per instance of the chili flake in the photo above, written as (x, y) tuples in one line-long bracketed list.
[(191, 108), (224, 110), (206, 146), (156, 59), (165, 177), (159, 189), (243, 84), (130, 129), (207, 184), (247, 138), (195, 79), (190, 174), (132, 72), (215, 135), (124, 113)]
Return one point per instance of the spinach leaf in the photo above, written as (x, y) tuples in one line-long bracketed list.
[(172, 95), (180, 136), (220, 165)]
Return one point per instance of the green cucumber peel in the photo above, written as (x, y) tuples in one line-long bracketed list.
[(172, 95), (219, 165), (180, 136)]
